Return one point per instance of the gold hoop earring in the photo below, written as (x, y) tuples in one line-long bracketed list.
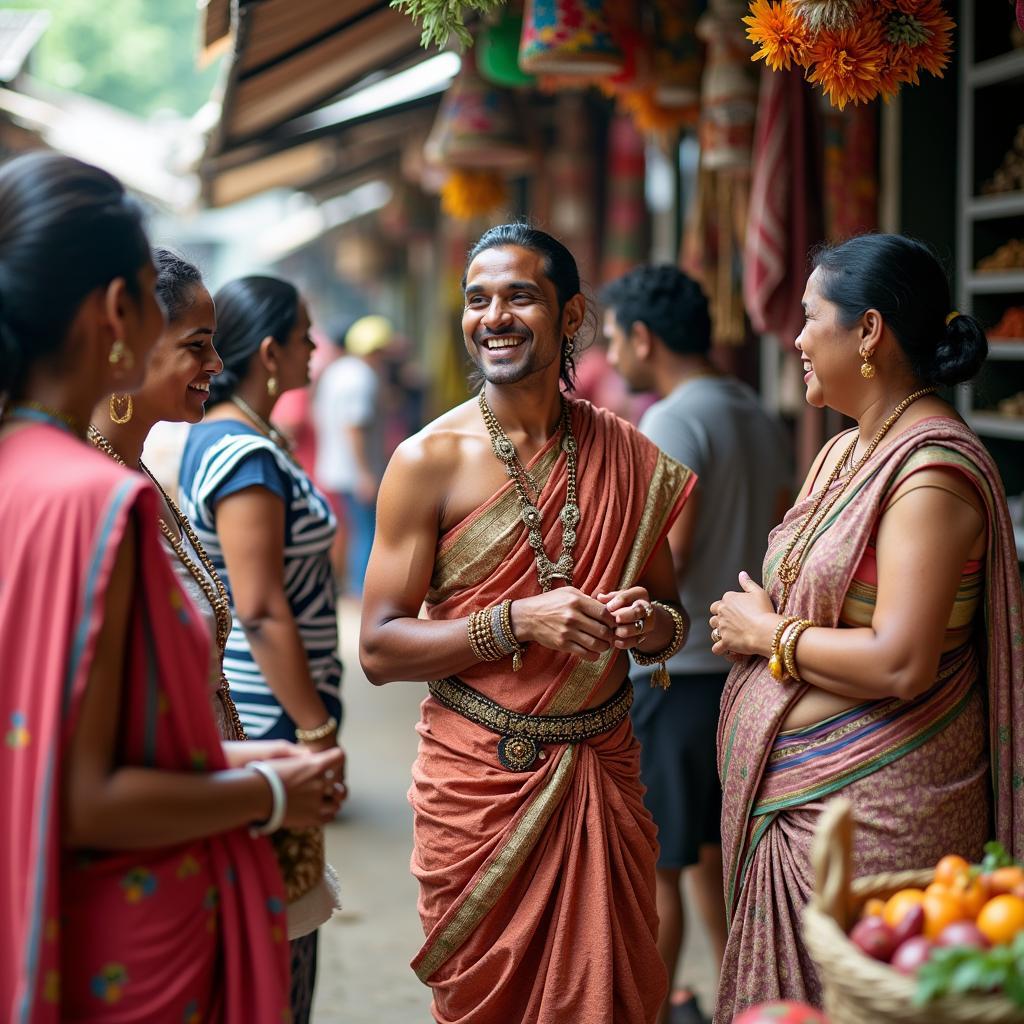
[(121, 353), (271, 386), (129, 408), (867, 371)]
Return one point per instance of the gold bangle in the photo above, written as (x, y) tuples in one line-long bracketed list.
[(680, 630), (789, 651), (510, 637), (322, 731), (481, 636), (775, 664)]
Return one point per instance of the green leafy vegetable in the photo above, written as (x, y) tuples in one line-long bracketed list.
[(957, 970), (440, 18)]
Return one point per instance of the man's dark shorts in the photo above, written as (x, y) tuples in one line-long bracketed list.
[(677, 729)]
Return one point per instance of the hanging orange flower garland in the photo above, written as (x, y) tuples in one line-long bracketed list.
[(855, 50)]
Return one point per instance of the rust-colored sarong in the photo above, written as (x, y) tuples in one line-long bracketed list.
[(537, 887)]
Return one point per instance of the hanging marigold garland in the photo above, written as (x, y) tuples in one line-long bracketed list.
[(854, 50), (468, 194)]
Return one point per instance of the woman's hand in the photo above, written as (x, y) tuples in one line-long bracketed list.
[(564, 619), (240, 752), (635, 619), (743, 622), (314, 787)]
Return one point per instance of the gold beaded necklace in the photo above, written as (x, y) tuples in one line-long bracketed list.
[(209, 581), (789, 567), (264, 426), (505, 450)]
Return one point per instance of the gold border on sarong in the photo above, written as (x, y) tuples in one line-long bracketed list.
[(499, 873)]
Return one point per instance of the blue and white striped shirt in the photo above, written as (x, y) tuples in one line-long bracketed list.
[(225, 456)]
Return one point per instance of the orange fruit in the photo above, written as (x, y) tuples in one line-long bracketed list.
[(940, 909), (873, 907), (899, 903), (936, 888), (1004, 880), (949, 868), (972, 894), (1001, 918)]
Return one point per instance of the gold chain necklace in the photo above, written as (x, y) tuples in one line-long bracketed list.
[(265, 427), (505, 450), (789, 567), (33, 410)]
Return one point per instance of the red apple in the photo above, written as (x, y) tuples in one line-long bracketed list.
[(911, 954), (962, 933), (874, 937)]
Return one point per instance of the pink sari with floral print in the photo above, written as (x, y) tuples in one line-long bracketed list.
[(182, 934)]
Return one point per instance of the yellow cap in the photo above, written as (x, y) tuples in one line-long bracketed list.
[(368, 334)]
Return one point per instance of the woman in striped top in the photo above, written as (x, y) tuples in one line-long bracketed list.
[(268, 531)]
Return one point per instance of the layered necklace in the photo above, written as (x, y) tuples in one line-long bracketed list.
[(209, 581), (264, 426), (789, 567), (505, 450)]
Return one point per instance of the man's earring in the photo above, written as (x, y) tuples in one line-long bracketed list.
[(867, 371), (121, 353), (570, 345)]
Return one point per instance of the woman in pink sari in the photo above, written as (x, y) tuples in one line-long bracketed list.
[(885, 655), (132, 889)]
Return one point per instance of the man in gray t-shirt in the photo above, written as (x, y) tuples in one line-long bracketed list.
[(659, 335)]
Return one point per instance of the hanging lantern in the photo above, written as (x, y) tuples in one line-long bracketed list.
[(478, 126), (497, 48), (677, 53), (571, 37)]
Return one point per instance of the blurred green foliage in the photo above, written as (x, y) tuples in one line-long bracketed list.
[(139, 55)]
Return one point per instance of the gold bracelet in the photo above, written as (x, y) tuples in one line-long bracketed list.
[(680, 630), (481, 636), (328, 728), (775, 663), (510, 637), (789, 651)]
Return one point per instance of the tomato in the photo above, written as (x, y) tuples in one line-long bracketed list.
[(1004, 880), (940, 909), (899, 903), (950, 868), (1001, 918)]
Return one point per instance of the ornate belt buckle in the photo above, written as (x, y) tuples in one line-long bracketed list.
[(517, 753)]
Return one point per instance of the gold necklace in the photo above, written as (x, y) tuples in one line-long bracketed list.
[(505, 450), (789, 567), (31, 410), (265, 427)]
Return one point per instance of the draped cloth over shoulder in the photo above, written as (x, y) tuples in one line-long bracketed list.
[(188, 933), (921, 774), (536, 888)]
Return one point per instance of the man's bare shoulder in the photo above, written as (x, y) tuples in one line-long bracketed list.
[(437, 450)]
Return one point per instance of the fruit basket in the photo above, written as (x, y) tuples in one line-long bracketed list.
[(859, 989)]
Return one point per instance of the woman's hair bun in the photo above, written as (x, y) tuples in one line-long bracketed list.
[(960, 354)]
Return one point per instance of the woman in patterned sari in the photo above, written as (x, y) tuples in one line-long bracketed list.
[(133, 891), (899, 681)]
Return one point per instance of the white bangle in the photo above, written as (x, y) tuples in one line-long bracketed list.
[(280, 805)]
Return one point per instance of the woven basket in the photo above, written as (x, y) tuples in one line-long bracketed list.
[(859, 989)]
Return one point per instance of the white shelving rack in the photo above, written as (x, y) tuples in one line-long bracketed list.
[(976, 76)]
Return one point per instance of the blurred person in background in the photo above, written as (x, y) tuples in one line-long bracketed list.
[(348, 411), (268, 531), (659, 338), (135, 890)]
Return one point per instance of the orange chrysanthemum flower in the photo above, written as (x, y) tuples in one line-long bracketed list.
[(781, 35), (847, 63), (923, 34), (896, 71)]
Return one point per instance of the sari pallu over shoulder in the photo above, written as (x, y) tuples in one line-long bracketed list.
[(64, 511), (497, 847), (754, 705)]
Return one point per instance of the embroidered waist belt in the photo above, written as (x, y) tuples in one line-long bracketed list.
[(521, 734)]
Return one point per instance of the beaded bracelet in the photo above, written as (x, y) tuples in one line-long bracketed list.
[(789, 650), (509, 637), (481, 636), (680, 630), (280, 798), (775, 663)]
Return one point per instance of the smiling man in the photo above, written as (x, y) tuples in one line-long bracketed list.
[(534, 529)]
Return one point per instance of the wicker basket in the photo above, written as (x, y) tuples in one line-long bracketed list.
[(857, 988)]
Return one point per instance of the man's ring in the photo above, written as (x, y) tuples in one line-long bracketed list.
[(640, 623), (716, 635)]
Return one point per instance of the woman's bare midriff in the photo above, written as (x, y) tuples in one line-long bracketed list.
[(619, 672)]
